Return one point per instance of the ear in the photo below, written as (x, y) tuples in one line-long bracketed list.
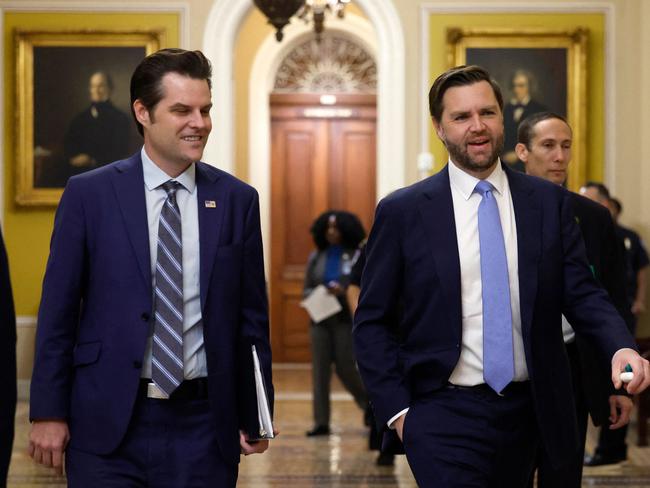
[(141, 113), (439, 130), (522, 152)]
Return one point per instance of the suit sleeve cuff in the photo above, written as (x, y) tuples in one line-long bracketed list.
[(392, 420)]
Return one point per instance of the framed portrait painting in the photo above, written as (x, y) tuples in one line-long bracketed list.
[(537, 70), (73, 105)]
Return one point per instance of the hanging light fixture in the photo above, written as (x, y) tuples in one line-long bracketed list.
[(279, 12), (316, 9)]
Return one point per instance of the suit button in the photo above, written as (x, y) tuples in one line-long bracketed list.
[(145, 317), (137, 364)]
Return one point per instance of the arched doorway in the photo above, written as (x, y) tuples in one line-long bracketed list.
[(323, 132)]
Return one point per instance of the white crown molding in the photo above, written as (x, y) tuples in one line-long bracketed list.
[(607, 8)]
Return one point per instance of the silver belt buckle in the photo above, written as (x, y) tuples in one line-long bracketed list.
[(154, 392)]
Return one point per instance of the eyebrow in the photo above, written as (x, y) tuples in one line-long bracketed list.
[(466, 112), (183, 106), (551, 139)]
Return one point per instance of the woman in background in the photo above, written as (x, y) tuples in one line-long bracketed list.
[(337, 235)]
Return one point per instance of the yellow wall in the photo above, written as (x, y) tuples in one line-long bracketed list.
[(438, 25), (27, 230)]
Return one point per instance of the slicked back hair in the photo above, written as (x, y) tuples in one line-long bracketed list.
[(526, 130), (146, 82), (459, 76)]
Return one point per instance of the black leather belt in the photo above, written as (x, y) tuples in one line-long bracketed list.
[(196, 389), (512, 388)]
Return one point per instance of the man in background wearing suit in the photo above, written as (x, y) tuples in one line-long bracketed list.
[(7, 365), (153, 295), (458, 332), (544, 145), (611, 447)]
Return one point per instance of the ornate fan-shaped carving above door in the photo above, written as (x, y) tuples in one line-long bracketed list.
[(333, 65)]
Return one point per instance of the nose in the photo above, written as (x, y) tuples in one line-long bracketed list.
[(560, 154), (199, 119), (476, 123)]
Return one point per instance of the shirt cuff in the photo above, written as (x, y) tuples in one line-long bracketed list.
[(395, 417)]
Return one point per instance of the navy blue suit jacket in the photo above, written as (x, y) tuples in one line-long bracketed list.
[(96, 307), (408, 324), (7, 365)]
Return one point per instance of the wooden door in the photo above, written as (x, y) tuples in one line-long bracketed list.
[(322, 157)]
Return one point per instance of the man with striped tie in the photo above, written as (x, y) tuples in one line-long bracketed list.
[(153, 297)]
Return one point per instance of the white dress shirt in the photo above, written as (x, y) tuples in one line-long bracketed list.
[(194, 360), (469, 369)]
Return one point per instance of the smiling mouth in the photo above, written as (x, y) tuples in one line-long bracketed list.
[(192, 138)]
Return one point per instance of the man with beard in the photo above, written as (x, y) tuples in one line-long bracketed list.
[(544, 146), (458, 332)]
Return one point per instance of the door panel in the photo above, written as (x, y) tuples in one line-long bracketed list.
[(352, 163), (317, 162)]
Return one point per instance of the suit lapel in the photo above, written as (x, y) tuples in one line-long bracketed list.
[(437, 213), (211, 200), (528, 218), (128, 182)]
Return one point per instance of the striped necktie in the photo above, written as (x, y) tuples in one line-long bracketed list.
[(167, 351), (498, 353)]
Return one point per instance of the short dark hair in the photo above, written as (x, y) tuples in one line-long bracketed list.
[(616, 203), (348, 224), (459, 76), (603, 191), (146, 82), (526, 130)]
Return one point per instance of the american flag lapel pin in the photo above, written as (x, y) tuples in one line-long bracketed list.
[(210, 204)]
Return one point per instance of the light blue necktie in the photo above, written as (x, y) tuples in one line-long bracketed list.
[(498, 356)]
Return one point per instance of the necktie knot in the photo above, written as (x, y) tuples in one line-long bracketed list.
[(170, 188), (483, 187)]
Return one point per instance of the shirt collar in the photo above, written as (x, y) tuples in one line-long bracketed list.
[(154, 176), (465, 183)]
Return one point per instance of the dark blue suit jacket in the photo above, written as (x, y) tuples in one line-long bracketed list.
[(96, 308), (7, 365), (408, 325)]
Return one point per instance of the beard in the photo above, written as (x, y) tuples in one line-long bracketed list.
[(460, 155)]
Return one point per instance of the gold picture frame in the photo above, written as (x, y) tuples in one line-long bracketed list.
[(514, 57), (54, 72)]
